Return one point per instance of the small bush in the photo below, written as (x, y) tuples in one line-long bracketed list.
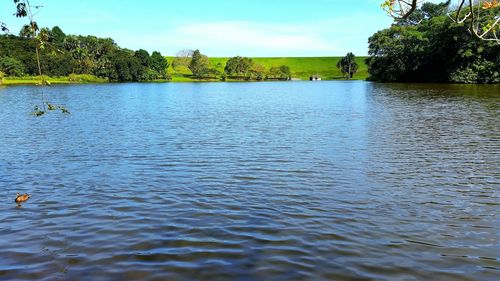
[(85, 78), (464, 76)]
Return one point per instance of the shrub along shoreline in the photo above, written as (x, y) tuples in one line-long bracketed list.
[(35, 80), (65, 80)]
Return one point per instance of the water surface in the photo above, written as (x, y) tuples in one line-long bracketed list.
[(251, 181)]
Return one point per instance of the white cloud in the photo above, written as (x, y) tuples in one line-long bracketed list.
[(246, 38), (239, 38)]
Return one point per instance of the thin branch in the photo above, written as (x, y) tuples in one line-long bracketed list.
[(34, 29)]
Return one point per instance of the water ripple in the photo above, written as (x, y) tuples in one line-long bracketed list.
[(257, 181)]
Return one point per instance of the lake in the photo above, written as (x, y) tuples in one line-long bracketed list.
[(251, 181)]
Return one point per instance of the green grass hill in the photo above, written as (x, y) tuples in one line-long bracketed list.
[(301, 67)]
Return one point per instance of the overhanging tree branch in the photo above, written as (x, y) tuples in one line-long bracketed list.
[(483, 24)]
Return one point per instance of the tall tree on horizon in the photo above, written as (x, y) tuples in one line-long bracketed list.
[(348, 65), (199, 64)]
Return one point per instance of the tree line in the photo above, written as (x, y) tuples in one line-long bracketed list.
[(63, 55), (70, 55), (236, 68), (429, 46)]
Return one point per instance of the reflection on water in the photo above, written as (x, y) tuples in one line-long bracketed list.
[(252, 181)]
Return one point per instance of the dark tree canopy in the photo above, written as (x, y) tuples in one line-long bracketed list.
[(348, 65), (159, 64), (11, 66), (238, 67), (63, 55), (143, 57), (199, 64), (480, 17), (434, 50), (57, 35), (282, 72)]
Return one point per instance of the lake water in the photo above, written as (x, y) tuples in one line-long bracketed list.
[(251, 181)]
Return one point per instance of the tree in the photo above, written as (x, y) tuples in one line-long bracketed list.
[(395, 52), (199, 64), (258, 72), (24, 9), (143, 57), (285, 72), (160, 64), (11, 67), (63, 54), (238, 67), (348, 65), (27, 31), (211, 73), (436, 49), (125, 67), (57, 35), (476, 14), (279, 73)]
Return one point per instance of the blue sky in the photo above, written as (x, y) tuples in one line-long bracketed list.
[(262, 28)]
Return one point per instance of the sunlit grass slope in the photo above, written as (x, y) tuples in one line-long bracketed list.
[(302, 67)]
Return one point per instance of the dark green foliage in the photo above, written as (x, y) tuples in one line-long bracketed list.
[(154, 66), (211, 73), (285, 72), (143, 57), (199, 64), (11, 66), (434, 49), (57, 64), (427, 11), (125, 67), (26, 31), (62, 55), (159, 64), (57, 35), (238, 67), (279, 73), (348, 65)]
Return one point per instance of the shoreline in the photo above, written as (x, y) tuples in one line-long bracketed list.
[(33, 81)]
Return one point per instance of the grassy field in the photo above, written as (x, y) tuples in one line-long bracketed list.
[(34, 80), (302, 67), (31, 81)]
